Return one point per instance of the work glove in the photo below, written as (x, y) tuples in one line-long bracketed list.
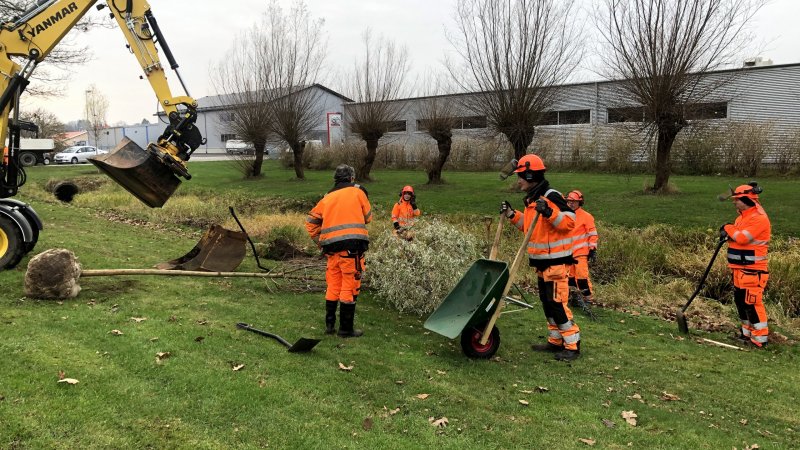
[(723, 235), (396, 225), (507, 209), (542, 208), (413, 201), (592, 256)]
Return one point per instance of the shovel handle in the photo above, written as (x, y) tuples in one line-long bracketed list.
[(497, 235), (247, 327), (512, 272), (705, 275)]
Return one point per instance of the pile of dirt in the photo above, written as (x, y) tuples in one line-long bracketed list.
[(53, 274)]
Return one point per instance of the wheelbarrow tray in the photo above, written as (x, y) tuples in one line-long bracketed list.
[(472, 301)]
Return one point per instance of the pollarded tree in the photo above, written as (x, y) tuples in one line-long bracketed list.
[(660, 50), (438, 114), (512, 53), (377, 82)]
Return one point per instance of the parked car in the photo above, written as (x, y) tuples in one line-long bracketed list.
[(77, 154), (239, 147)]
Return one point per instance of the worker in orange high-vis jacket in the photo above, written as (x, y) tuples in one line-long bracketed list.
[(584, 246), (748, 238), (405, 211), (550, 252), (338, 224)]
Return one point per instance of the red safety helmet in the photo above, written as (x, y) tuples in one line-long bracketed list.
[(530, 162), (576, 196), (408, 189), (750, 190)]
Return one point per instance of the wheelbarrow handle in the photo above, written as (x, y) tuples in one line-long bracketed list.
[(497, 235), (511, 274)]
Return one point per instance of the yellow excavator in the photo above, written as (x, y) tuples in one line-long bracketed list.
[(151, 174)]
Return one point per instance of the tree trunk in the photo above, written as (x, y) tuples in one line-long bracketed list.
[(435, 173), (363, 170), (666, 136), (520, 142), (259, 159), (298, 148)]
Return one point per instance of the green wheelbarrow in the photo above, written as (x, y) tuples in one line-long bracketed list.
[(473, 306)]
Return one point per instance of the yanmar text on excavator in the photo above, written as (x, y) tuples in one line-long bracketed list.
[(150, 174)]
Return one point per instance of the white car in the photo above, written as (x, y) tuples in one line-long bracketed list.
[(77, 154), (239, 147)]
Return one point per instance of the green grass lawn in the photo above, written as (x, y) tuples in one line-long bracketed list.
[(194, 398)]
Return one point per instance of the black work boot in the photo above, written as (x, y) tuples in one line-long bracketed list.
[(330, 316), (569, 355), (547, 347), (347, 315), (740, 338)]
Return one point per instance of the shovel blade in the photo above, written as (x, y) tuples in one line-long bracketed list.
[(219, 250), (140, 172), (303, 345)]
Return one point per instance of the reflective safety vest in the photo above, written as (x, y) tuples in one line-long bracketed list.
[(550, 242), (584, 236), (404, 214), (748, 239), (339, 221), (5, 156)]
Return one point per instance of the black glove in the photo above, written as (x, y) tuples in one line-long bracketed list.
[(542, 208), (723, 235), (396, 225), (592, 256), (413, 201), (507, 209)]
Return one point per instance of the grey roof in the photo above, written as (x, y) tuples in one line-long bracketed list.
[(216, 102)]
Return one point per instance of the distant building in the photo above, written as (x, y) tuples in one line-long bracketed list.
[(212, 115), (71, 138)]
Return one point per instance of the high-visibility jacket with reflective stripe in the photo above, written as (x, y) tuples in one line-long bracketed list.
[(550, 242), (403, 213), (748, 239), (584, 236), (339, 221)]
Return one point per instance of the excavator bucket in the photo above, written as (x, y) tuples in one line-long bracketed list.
[(140, 172), (219, 250)]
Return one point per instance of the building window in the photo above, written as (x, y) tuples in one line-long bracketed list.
[(226, 116), (574, 117), (548, 118), (626, 114), (705, 111), (473, 122), (227, 137), (395, 126)]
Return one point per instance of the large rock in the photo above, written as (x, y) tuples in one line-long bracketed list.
[(53, 274)]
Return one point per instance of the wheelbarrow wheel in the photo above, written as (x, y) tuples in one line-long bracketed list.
[(471, 342)]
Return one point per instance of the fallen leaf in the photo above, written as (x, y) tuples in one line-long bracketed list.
[(743, 421), (199, 339), (526, 392), (399, 382), (172, 319), (68, 381), (160, 356), (523, 402), (423, 396), (116, 332), (441, 372), (202, 322), (608, 423), (345, 368), (367, 424), (61, 374), (394, 411), (666, 396), (588, 442), (541, 389), (153, 339), (238, 367), (630, 417), (138, 319), (752, 447), (439, 423)]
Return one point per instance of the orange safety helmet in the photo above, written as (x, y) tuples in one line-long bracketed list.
[(408, 189), (749, 190), (530, 162), (576, 196)]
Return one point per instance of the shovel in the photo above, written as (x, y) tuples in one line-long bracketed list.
[(680, 318), (303, 345)]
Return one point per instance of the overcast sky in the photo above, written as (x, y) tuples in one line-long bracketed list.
[(200, 32)]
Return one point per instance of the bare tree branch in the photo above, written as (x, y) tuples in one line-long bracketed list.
[(512, 53), (95, 111)]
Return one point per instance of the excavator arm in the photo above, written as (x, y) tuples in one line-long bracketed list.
[(150, 174)]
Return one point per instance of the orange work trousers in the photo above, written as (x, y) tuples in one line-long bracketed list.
[(579, 276), (748, 294), (343, 276), (554, 294)]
